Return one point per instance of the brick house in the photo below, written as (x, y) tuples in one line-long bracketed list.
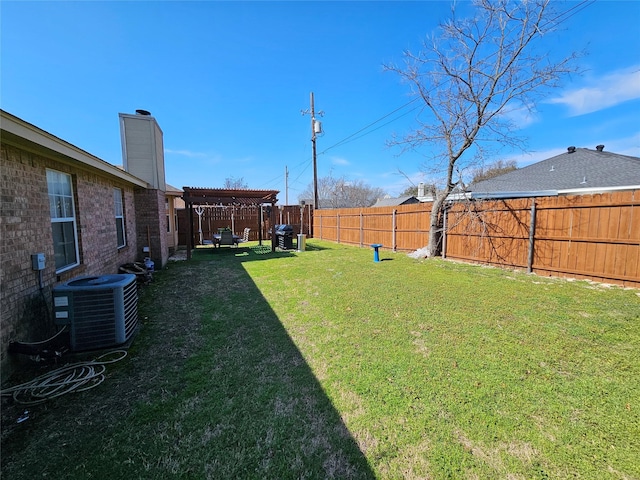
[(85, 215)]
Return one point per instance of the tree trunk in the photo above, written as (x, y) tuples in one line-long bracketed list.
[(435, 231)]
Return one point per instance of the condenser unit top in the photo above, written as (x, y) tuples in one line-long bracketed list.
[(97, 283)]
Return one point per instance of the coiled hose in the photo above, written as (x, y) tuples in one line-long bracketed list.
[(75, 377)]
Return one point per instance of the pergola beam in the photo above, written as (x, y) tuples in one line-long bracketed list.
[(214, 197)]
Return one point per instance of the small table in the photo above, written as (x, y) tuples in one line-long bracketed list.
[(216, 239), (376, 256)]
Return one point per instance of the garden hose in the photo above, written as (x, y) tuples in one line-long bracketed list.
[(75, 377)]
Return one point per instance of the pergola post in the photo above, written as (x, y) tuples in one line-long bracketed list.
[(225, 197), (190, 224), (273, 226), (260, 225)]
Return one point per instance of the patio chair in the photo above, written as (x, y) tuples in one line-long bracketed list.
[(226, 238), (245, 236)]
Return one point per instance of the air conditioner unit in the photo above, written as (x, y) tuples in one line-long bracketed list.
[(100, 312)]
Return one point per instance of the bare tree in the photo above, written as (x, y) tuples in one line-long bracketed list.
[(493, 169), (470, 76), (341, 193), (232, 183), (410, 190)]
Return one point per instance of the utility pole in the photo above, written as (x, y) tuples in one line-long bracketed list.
[(315, 164), (286, 186), (315, 129)]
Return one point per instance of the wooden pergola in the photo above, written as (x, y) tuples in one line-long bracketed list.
[(220, 197)]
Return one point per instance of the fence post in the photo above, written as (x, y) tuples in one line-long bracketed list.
[(233, 219), (337, 227), (393, 229), (361, 229), (532, 233), (444, 232)]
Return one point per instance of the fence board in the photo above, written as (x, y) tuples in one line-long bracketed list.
[(238, 218), (590, 236)]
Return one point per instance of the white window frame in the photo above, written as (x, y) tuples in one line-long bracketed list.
[(62, 211), (118, 209)]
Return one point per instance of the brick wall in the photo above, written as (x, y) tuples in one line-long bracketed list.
[(152, 224), (26, 229)]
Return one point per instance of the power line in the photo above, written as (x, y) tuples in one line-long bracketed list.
[(346, 139), (559, 19), (342, 142), (280, 177), (351, 138), (581, 6), (308, 162), (566, 14)]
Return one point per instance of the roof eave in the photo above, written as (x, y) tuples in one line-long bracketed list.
[(16, 131), (543, 193), (585, 191), (514, 194)]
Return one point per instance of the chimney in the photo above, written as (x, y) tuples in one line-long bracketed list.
[(599, 148), (421, 189), (571, 149), (143, 148)]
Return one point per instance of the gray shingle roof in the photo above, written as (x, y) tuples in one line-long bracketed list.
[(584, 168), (394, 202)]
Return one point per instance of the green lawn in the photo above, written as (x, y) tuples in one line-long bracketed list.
[(324, 364)]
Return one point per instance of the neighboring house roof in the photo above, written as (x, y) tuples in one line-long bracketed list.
[(173, 191), (16, 131), (579, 169), (394, 202)]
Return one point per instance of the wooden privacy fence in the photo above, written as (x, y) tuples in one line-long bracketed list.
[(237, 218), (588, 236), (404, 228)]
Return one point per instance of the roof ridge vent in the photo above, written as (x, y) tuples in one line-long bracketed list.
[(599, 148), (571, 149)]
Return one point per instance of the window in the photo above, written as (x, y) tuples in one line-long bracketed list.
[(63, 220), (119, 213)]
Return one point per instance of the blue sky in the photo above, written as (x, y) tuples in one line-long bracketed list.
[(227, 82)]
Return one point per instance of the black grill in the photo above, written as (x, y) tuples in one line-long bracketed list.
[(284, 234)]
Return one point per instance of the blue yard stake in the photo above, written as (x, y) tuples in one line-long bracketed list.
[(376, 256)]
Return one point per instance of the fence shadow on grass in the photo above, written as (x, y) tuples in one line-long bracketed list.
[(271, 416), (213, 387)]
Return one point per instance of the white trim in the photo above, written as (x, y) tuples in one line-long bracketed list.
[(73, 219), (543, 193), (117, 192), (524, 194), (583, 191)]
